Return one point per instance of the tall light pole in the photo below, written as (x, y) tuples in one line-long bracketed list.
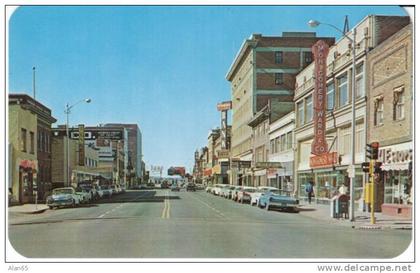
[(67, 112), (351, 170)]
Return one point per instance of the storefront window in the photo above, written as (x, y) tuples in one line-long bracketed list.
[(397, 187)]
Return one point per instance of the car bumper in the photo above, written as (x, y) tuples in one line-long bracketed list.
[(57, 203)]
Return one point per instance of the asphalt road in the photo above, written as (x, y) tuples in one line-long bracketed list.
[(165, 224)]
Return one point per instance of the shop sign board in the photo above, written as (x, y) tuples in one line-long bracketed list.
[(266, 165), (324, 160), (319, 144), (224, 106), (81, 141), (223, 154)]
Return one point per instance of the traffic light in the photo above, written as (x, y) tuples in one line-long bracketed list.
[(365, 167), (378, 167), (372, 150)]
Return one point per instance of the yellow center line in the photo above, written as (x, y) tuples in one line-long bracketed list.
[(168, 206), (164, 208)]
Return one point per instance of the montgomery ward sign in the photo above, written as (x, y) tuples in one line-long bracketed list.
[(324, 160), (320, 52)]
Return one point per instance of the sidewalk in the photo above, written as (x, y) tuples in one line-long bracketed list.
[(28, 208), (362, 219)]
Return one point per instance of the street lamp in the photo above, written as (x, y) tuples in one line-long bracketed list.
[(314, 23), (67, 112)]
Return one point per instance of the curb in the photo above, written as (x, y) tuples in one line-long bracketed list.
[(31, 212), (370, 227)]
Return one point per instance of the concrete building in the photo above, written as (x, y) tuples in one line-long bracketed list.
[(264, 68), (42, 138), (331, 172), (135, 151), (390, 119), (282, 151)]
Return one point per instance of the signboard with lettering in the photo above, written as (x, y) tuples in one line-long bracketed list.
[(320, 52), (223, 154), (266, 165), (224, 106), (323, 160)]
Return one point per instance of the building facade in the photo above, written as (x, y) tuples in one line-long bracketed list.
[(331, 172), (42, 138), (282, 151), (265, 68), (390, 119)]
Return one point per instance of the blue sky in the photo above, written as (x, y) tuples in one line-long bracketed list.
[(160, 67)]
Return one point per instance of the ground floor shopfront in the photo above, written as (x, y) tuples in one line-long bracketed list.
[(327, 182), (396, 182), (24, 186)]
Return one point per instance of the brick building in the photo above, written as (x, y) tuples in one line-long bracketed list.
[(264, 68), (390, 119), (328, 175)]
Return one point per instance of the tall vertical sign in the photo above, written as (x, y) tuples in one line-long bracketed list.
[(320, 52), (224, 107), (81, 145)]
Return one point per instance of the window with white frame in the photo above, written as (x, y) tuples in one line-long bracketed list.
[(300, 113), (278, 56), (289, 140), (273, 146), (378, 111), (345, 140), (360, 86), (360, 138), (309, 109), (278, 78), (343, 92), (330, 96), (283, 142), (277, 144), (398, 112)]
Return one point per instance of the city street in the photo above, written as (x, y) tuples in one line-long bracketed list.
[(164, 224)]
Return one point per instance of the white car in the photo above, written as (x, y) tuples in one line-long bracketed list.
[(234, 194), (63, 197), (244, 195), (84, 195), (226, 191), (216, 189), (255, 196), (209, 188)]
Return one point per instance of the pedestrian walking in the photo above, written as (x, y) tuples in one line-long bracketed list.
[(310, 190)]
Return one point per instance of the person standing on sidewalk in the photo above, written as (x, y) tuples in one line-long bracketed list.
[(310, 190)]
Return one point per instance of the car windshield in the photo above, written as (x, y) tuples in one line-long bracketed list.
[(249, 190), (274, 191), (62, 191)]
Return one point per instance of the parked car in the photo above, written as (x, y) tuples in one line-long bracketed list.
[(199, 187), (150, 185), (255, 196), (273, 199), (244, 194), (234, 194), (99, 191), (91, 190), (63, 197), (209, 188), (107, 191), (84, 195), (226, 191), (216, 189), (191, 187), (175, 187), (123, 188), (115, 189)]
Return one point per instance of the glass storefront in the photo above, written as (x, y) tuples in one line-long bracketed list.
[(327, 184), (397, 187)]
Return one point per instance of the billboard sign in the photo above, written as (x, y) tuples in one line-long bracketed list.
[(320, 52), (224, 106)]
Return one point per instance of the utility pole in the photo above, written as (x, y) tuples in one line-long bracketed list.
[(33, 82)]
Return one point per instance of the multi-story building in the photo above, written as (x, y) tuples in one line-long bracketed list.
[(264, 68), (390, 119), (135, 152), (260, 125), (112, 144), (43, 140), (281, 151), (328, 173)]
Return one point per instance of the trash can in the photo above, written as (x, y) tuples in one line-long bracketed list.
[(342, 206)]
